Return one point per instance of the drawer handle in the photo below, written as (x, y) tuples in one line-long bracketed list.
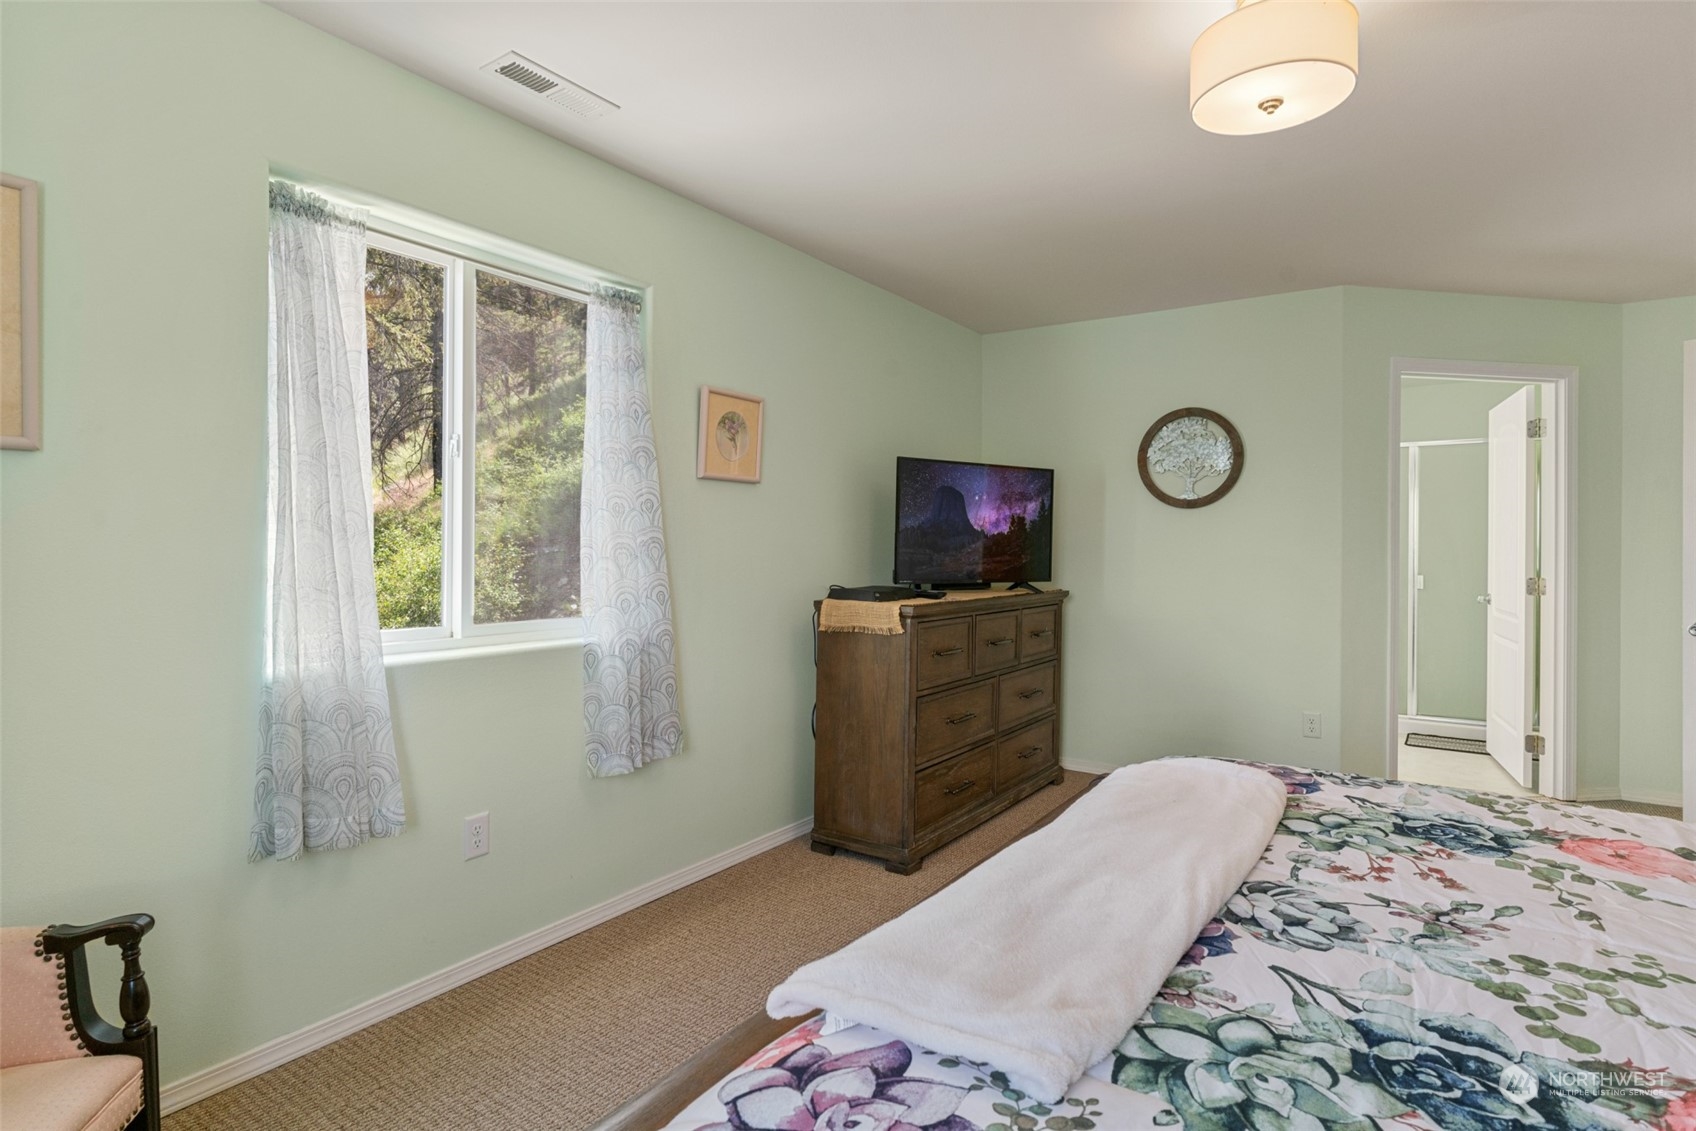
[(1032, 752), (1040, 632), (961, 788), (948, 652), (956, 720), (1031, 694), (1002, 643)]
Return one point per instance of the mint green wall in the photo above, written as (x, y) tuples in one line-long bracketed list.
[(1453, 551), (1212, 630), (1205, 631), (1380, 325), (1651, 524), (132, 553), (1449, 410)]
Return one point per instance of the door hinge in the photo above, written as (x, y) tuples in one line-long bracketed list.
[(1536, 587), (1536, 429), (1534, 744)]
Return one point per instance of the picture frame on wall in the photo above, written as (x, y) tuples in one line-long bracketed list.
[(732, 435), (20, 313), (1190, 458)]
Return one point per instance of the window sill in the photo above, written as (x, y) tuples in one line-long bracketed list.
[(477, 651)]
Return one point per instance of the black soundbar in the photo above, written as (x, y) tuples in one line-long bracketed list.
[(880, 593)]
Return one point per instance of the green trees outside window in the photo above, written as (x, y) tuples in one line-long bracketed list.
[(526, 358)]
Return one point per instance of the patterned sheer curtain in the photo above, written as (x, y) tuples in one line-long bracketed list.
[(629, 674), (327, 774)]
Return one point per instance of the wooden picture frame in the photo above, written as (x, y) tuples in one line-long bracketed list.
[(20, 313), (731, 437), (1230, 477)]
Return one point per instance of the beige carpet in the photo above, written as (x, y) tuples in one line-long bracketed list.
[(558, 1039), (1676, 812)]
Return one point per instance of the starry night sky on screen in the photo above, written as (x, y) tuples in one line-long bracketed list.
[(993, 494)]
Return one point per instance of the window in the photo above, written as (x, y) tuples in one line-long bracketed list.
[(476, 381)]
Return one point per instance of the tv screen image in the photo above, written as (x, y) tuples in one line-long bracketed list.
[(970, 522)]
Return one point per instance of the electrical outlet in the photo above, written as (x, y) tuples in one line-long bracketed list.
[(1310, 725), (476, 835)]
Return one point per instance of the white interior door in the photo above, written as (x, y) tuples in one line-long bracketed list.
[(1509, 657)]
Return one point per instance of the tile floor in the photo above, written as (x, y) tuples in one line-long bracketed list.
[(1452, 768), (1479, 771)]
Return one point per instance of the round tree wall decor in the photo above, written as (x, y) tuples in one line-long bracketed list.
[(1190, 457)]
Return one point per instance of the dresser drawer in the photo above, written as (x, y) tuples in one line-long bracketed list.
[(1025, 753), (1037, 633), (944, 653), (996, 642), (919, 734), (1025, 693), (954, 786), (954, 719)]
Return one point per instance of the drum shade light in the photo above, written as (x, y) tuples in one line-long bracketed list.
[(1273, 64)]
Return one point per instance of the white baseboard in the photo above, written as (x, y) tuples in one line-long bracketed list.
[(197, 1086), (1088, 767), (1445, 728)]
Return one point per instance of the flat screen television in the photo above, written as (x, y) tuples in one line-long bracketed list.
[(970, 523)]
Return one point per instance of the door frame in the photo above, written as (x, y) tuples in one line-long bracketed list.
[(1689, 581), (1558, 620)]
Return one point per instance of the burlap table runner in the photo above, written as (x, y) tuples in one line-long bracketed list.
[(883, 618)]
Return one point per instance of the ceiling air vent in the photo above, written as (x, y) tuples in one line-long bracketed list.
[(543, 83)]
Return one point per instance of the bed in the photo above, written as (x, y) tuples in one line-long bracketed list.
[(1402, 954)]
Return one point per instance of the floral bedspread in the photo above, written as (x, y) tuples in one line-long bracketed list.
[(1404, 955)]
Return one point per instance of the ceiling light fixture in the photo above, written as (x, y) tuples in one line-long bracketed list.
[(1273, 64)]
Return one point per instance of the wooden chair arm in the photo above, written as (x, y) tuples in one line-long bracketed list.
[(138, 1037), (125, 933), (63, 938)]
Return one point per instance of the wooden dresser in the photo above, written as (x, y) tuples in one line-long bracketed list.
[(924, 735)]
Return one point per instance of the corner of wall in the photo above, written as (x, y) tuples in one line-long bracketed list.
[(1651, 548)]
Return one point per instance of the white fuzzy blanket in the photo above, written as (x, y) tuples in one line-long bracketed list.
[(1041, 959)]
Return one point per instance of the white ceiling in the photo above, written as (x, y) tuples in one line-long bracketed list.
[(1021, 164)]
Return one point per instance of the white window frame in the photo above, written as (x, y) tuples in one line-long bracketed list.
[(460, 264)]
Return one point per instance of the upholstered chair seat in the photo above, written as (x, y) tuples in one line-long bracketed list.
[(62, 1066), (85, 1093)]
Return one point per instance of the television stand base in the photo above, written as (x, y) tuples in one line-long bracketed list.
[(1017, 585)]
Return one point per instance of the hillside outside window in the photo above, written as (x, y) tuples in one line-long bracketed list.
[(477, 385)]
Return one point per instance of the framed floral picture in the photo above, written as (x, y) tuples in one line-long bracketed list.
[(732, 429), (20, 315)]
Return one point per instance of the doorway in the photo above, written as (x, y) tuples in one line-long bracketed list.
[(1481, 648)]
